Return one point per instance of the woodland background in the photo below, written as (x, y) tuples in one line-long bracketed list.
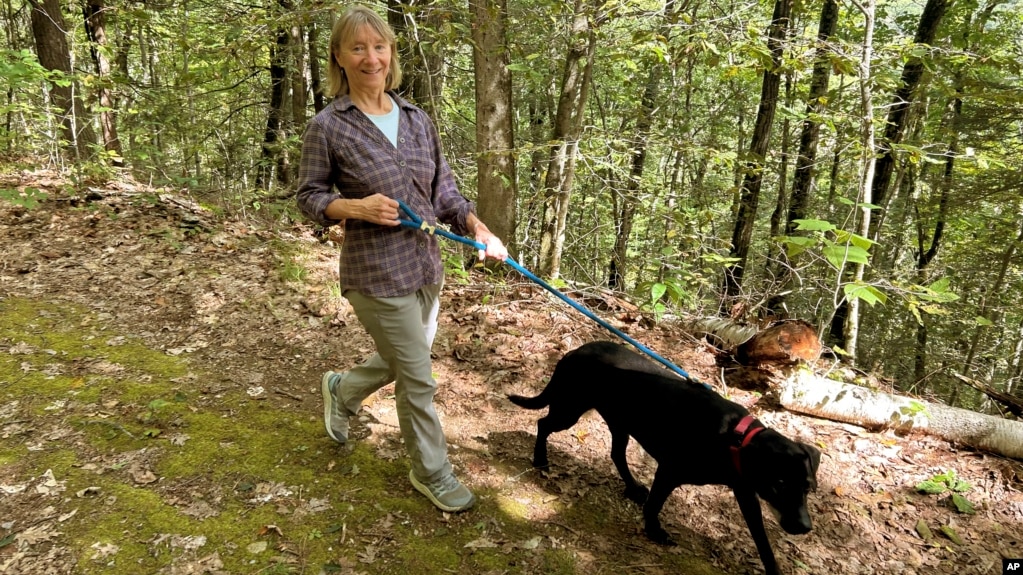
[(852, 164)]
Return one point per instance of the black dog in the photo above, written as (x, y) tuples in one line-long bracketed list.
[(696, 436)]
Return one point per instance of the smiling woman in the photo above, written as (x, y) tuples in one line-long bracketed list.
[(364, 58), (361, 155)]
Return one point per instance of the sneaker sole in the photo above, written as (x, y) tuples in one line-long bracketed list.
[(426, 491), (328, 398)]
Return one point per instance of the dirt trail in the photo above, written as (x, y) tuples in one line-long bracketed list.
[(245, 321)]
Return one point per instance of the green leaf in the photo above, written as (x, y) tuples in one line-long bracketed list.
[(951, 534), (867, 293), (657, 290), (814, 225), (962, 504), (960, 486), (839, 255), (932, 487)]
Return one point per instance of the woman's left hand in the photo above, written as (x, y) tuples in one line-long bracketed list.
[(495, 247)]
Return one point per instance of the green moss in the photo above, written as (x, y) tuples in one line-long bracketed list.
[(233, 470), (558, 561)]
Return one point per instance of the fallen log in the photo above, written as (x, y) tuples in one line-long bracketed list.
[(807, 393)]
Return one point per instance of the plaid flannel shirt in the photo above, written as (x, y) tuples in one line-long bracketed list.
[(344, 155)]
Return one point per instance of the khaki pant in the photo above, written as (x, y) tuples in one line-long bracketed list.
[(403, 329)]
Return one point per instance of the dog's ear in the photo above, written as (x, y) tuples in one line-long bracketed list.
[(815, 460)]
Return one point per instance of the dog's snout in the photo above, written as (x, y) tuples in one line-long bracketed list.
[(796, 524), (795, 521), (798, 528)]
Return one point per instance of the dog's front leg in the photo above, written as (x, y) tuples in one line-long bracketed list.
[(664, 483), (749, 504), (633, 490)]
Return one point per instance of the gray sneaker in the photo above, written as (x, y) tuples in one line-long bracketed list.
[(448, 494), (335, 415)]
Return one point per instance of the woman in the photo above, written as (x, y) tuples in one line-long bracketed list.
[(360, 154)]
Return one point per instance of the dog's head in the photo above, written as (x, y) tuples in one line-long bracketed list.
[(783, 472)]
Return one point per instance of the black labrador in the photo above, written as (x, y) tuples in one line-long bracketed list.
[(696, 436)]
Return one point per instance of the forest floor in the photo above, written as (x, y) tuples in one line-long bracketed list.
[(160, 414)]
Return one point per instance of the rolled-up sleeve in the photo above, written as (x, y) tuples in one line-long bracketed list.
[(316, 175), (449, 204)]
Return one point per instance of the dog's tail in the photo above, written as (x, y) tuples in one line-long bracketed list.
[(538, 402)]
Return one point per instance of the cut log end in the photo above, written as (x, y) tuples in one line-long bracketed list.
[(785, 343)]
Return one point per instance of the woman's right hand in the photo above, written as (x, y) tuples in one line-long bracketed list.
[(377, 209)]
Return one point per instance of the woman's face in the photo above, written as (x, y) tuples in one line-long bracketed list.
[(366, 59)]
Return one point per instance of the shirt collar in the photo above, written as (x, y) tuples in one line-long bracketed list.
[(344, 103)]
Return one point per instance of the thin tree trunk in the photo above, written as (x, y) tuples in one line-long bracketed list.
[(851, 325), (745, 219), (299, 85), (638, 147), (806, 159), (991, 293), (96, 29), (270, 157), (314, 68), (422, 60), (898, 112), (567, 130), (495, 137)]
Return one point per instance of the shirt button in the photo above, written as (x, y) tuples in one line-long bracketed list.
[(402, 163)]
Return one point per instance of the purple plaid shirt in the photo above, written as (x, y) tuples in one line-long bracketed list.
[(344, 155)]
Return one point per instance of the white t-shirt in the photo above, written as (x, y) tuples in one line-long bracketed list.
[(388, 123)]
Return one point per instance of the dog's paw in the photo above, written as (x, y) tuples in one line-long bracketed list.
[(637, 493), (659, 536), (542, 465)]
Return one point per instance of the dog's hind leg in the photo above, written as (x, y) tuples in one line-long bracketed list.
[(749, 504), (559, 418), (633, 490)]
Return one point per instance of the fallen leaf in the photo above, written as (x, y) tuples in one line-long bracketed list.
[(947, 531), (104, 550), (481, 543), (923, 530)]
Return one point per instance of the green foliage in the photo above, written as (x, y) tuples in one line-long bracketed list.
[(659, 295), (948, 482), (929, 299), (27, 198)]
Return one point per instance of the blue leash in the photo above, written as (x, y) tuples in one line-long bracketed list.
[(414, 221)]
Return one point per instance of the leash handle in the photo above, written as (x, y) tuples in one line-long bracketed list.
[(414, 221)]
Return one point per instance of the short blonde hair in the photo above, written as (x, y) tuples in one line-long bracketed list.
[(354, 18)]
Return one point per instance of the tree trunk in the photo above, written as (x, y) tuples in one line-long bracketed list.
[(985, 304), (314, 68), (849, 308), (806, 393), (802, 182), (48, 29), (270, 160), (749, 197), (567, 129), (422, 59), (495, 137), (96, 29), (299, 85), (638, 148), (898, 112)]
